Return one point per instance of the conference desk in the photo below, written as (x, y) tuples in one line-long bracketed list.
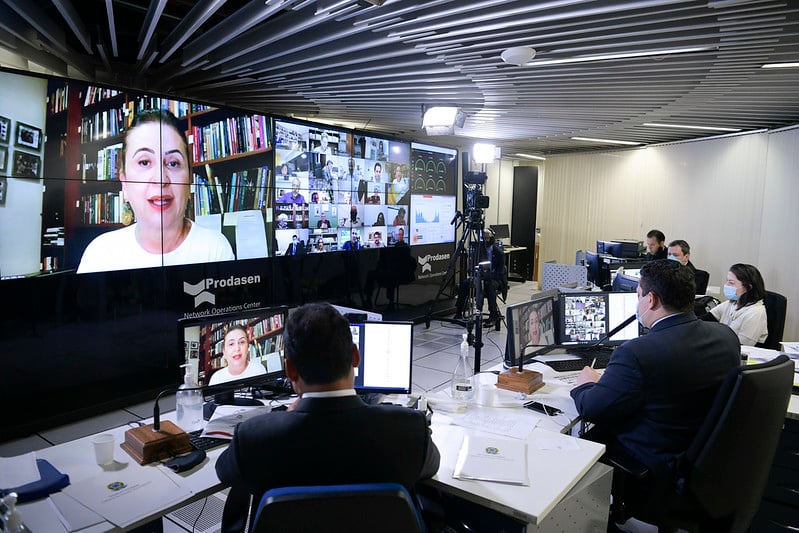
[(565, 478)]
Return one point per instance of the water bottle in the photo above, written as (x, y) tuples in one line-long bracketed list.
[(189, 404), (462, 378)]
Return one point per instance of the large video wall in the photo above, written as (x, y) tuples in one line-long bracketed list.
[(121, 212)]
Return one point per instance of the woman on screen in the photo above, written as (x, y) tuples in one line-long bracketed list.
[(156, 181), (538, 333), (236, 351)]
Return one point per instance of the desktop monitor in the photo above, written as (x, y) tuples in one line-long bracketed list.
[(624, 282), (386, 357), (501, 231), (593, 265), (240, 348), (531, 325), (587, 317)]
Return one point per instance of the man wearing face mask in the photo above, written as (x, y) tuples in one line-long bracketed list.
[(658, 388), (680, 251)]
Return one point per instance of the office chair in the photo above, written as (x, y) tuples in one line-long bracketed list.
[(356, 508), (776, 306), (702, 278), (720, 479)]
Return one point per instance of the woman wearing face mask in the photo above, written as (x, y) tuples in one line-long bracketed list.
[(743, 311)]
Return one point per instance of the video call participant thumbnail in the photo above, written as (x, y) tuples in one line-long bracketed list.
[(156, 181), (236, 352)]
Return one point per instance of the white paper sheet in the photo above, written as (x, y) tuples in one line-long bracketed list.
[(126, 496), (510, 425), (73, 514), (19, 470), (223, 422), (491, 458)]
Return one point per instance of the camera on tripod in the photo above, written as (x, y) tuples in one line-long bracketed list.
[(476, 201)]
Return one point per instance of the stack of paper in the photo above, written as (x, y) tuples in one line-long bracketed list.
[(491, 458)]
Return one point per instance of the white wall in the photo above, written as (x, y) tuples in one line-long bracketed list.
[(733, 199), (22, 99)]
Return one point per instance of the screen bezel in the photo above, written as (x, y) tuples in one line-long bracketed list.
[(512, 314), (360, 389), (253, 381)]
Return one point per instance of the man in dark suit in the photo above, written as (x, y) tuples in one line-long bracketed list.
[(296, 247), (328, 436), (492, 274), (655, 245), (658, 388)]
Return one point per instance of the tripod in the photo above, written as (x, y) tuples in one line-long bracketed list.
[(472, 319)]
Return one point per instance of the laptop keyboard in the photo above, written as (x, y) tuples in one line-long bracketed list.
[(205, 443), (571, 365)]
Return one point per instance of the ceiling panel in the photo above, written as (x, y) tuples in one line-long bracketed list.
[(373, 67)]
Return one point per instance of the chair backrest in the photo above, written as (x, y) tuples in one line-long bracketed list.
[(365, 507), (702, 278), (776, 306), (728, 463)]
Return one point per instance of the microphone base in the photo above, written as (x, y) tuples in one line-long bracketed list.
[(146, 446), (526, 381)]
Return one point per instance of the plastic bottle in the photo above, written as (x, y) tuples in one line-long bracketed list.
[(189, 404), (12, 520), (462, 377)]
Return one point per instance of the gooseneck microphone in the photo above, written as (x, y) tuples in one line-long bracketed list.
[(626, 322)]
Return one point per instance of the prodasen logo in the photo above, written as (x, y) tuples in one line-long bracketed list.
[(426, 260), (202, 290)]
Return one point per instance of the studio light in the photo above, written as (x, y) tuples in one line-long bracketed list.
[(484, 153), (441, 120)]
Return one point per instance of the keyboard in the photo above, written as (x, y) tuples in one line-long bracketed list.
[(205, 443), (571, 365)]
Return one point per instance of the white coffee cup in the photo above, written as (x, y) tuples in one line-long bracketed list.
[(104, 448)]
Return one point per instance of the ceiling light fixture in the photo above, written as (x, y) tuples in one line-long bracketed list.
[(689, 127), (484, 153), (518, 55), (780, 65), (622, 55), (531, 156), (609, 141), (441, 120)]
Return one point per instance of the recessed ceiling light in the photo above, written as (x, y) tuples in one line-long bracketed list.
[(609, 141), (780, 65), (690, 127), (621, 55)]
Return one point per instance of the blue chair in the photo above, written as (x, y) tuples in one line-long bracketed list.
[(357, 508)]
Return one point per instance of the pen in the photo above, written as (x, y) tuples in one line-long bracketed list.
[(593, 362)]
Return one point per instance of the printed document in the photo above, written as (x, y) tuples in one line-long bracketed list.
[(491, 458)]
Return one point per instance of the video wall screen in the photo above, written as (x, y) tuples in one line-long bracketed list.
[(112, 180)]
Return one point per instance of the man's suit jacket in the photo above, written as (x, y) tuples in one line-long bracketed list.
[(325, 441), (658, 388), (300, 248)]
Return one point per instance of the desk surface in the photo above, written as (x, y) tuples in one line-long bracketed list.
[(552, 473)]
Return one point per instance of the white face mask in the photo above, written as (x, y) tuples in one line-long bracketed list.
[(731, 293), (639, 315)]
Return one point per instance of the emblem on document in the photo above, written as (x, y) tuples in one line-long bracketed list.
[(492, 450), (117, 485)]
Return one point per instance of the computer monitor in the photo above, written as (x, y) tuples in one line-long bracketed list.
[(531, 325), (386, 357), (587, 317), (624, 282), (593, 265), (235, 349), (501, 231)]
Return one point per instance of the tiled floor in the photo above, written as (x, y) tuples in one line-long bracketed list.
[(436, 351)]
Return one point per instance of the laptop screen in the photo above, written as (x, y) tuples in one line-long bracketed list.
[(386, 357)]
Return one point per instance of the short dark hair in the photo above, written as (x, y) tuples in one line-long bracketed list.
[(318, 341), (673, 283), (750, 278), (684, 246), (657, 234)]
